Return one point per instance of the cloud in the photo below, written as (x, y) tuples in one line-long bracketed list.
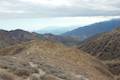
[(58, 8)]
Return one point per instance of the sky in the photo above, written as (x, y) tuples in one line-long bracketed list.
[(58, 8), (33, 15)]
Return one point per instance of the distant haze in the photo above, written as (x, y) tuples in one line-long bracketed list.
[(50, 25)]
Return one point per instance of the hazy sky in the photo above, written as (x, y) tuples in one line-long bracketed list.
[(47, 23), (41, 14)]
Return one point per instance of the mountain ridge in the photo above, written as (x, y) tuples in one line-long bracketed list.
[(93, 29)]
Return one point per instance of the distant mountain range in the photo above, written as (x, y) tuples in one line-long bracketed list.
[(93, 29), (8, 38)]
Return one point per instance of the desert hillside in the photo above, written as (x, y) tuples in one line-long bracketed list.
[(106, 47), (45, 60), (8, 38)]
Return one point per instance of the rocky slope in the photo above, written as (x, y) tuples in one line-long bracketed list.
[(8, 38), (106, 47), (45, 60)]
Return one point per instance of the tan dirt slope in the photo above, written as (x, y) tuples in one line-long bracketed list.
[(45, 60)]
